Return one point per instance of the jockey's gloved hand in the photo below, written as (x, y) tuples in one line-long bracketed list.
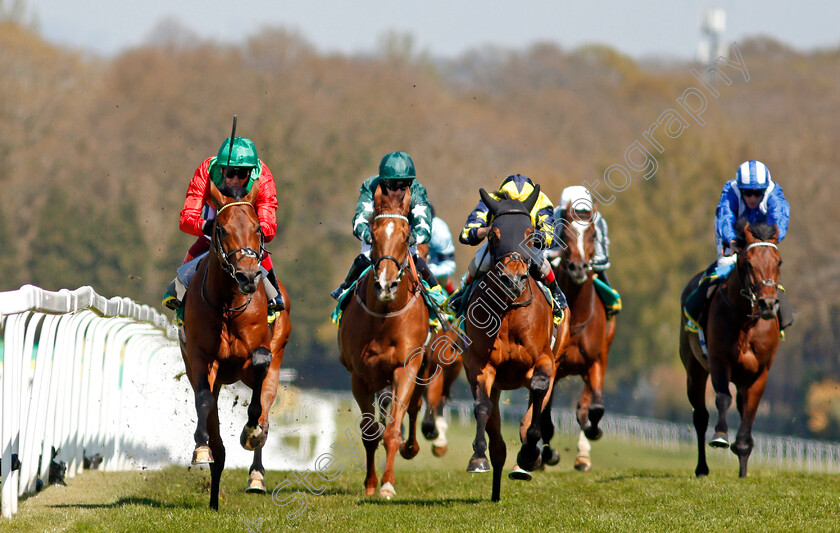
[(207, 227), (366, 237), (412, 240)]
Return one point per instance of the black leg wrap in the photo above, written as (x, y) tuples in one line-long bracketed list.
[(261, 358)]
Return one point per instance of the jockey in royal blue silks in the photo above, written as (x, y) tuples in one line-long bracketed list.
[(754, 195)]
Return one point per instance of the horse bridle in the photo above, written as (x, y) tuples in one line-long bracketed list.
[(401, 265), (748, 290), (224, 256)]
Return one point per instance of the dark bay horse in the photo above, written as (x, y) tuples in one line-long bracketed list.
[(382, 336), (509, 325), (443, 354), (227, 337), (590, 335), (742, 334)]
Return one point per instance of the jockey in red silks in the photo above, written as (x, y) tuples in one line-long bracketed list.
[(234, 170)]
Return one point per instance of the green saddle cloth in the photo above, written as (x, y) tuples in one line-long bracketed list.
[(608, 295)]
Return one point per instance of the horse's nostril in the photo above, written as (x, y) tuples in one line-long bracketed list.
[(394, 285)]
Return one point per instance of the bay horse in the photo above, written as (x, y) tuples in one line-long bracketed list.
[(510, 333), (591, 334), (742, 334), (227, 338), (443, 354), (382, 337)]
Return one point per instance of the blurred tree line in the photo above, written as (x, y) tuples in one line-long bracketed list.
[(96, 156)]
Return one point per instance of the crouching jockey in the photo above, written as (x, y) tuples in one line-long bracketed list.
[(234, 170), (396, 172), (516, 187), (754, 195)]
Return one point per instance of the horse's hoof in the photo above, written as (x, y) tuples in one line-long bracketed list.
[(252, 437), (439, 451), (430, 431), (528, 461), (519, 474), (478, 465), (720, 440), (387, 491), (202, 455), (593, 432), (550, 456), (256, 484), (583, 464), (409, 451)]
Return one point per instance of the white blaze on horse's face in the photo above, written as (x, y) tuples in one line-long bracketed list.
[(389, 229), (581, 227)]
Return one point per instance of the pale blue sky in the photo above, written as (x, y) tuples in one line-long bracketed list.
[(444, 27)]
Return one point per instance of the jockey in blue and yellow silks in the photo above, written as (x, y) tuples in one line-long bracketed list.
[(517, 187), (396, 171), (754, 195)]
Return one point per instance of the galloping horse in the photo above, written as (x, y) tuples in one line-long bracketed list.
[(510, 330), (590, 337), (382, 336), (227, 337), (443, 354), (742, 334)]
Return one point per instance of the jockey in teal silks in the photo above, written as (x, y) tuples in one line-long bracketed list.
[(396, 172), (754, 195)]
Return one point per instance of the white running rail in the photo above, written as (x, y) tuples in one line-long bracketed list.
[(65, 362)]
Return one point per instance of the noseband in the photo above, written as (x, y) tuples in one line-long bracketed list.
[(225, 257)]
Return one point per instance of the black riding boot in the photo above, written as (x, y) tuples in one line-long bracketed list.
[(559, 298), (425, 272), (276, 303), (786, 311), (359, 265)]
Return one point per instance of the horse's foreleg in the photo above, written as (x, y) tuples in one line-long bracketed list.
[(498, 450), (549, 455), (541, 386), (256, 428), (434, 391), (594, 380), (205, 403), (748, 399), (218, 449), (720, 373), (370, 430), (403, 388), (411, 447), (483, 408)]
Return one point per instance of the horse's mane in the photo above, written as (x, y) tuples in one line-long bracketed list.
[(236, 193), (502, 195), (763, 231)]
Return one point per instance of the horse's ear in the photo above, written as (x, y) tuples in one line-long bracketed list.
[(216, 195), (406, 201), (488, 200), (377, 196), (251, 197), (532, 199)]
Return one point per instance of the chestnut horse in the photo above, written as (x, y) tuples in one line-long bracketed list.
[(382, 335), (742, 334), (227, 338), (443, 354), (590, 335), (510, 329)]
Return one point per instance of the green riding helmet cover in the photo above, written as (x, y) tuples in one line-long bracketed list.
[(397, 166), (244, 154)]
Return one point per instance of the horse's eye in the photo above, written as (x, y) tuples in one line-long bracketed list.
[(780, 264)]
